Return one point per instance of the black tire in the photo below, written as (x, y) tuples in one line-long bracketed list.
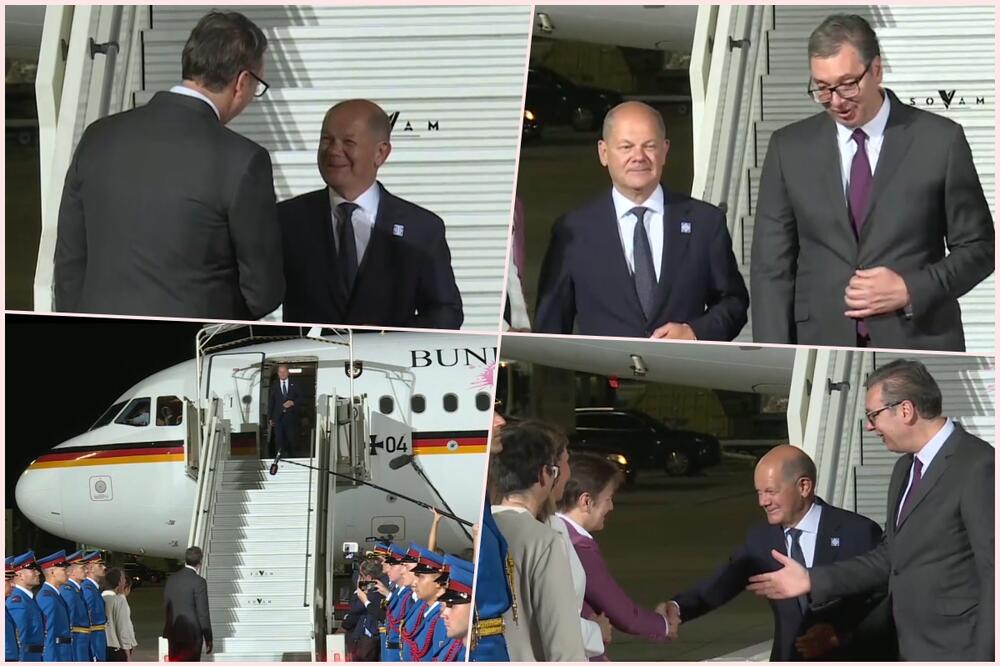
[(678, 463)]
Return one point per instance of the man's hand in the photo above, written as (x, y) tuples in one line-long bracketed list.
[(605, 624), (821, 639), (875, 291), (208, 647), (437, 516), (382, 589), (674, 331), (791, 581), (362, 596), (288, 404)]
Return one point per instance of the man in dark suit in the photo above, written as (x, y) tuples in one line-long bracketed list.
[(813, 532), (850, 243), (936, 556), (283, 412), (356, 254), (165, 211), (639, 261), (188, 624)]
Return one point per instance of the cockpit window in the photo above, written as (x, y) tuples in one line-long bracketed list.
[(110, 413), (136, 413), (169, 410)]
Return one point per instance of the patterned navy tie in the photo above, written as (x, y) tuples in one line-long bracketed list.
[(645, 274)]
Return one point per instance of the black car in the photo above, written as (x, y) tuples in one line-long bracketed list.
[(531, 126), (610, 451), (560, 101), (140, 574), (646, 442)]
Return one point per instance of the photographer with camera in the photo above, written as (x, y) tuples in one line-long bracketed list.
[(361, 621)]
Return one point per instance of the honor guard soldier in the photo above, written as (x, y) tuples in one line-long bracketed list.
[(401, 602), (72, 594), (493, 594), (95, 570), (58, 639), (455, 614), (424, 632), (10, 652), (29, 625)]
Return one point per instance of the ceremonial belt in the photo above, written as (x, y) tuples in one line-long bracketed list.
[(392, 645), (493, 626), (81, 630), (34, 649), (63, 640), (381, 630), (97, 627)]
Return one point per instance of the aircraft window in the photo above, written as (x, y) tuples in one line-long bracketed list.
[(385, 404), (136, 414), (483, 402), (418, 404), (169, 410), (109, 414), (450, 402)]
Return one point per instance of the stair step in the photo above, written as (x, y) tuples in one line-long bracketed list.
[(237, 616), (290, 548), (270, 535), (231, 645), (278, 558), (268, 572), (291, 600), (272, 495), (262, 630), (258, 655), (256, 519), (271, 507), (258, 585)]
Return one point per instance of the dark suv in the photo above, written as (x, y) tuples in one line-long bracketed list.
[(140, 573), (648, 443), (560, 101)]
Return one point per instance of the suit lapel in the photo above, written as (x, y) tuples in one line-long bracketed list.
[(937, 469), (828, 154), (826, 536), (675, 246), (607, 236), (897, 484), (380, 251), (895, 144)]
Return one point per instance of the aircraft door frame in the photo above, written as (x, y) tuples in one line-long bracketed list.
[(249, 408)]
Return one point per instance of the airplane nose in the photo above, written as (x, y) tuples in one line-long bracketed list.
[(38, 497)]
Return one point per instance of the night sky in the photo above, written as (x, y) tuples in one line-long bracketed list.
[(63, 372)]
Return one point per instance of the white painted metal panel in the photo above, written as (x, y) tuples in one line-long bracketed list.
[(455, 75)]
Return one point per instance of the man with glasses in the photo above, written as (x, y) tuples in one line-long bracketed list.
[(871, 221), (812, 532), (936, 556), (166, 211)]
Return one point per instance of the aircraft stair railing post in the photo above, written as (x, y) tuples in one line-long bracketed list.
[(833, 441), (49, 77), (71, 98), (331, 443), (319, 525), (799, 394), (707, 88), (214, 435)]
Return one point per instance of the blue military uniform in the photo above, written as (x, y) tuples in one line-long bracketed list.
[(458, 591), (79, 620), (10, 638), (424, 632), (96, 612), (400, 604), (58, 643), (493, 594), (29, 625)]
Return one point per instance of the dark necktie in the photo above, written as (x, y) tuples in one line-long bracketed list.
[(859, 190), (645, 274), (284, 388), (795, 552), (918, 467), (347, 256)]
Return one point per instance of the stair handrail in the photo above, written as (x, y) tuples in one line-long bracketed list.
[(210, 462), (81, 64)]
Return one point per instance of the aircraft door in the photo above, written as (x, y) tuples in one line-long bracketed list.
[(235, 379)]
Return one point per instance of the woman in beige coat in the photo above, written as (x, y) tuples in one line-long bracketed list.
[(120, 632)]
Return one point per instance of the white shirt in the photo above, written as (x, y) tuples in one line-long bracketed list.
[(363, 218), (188, 566), (653, 222), (575, 525), (284, 386), (28, 592), (926, 456), (51, 585), (190, 92), (875, 129), (809, 525), (75, 583), (431, 607)]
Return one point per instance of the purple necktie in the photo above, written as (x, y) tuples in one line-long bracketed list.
[(859, 190), (912, 492)]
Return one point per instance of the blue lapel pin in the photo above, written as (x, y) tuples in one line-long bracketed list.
[(685, 227), (835, 542), (397, 230)]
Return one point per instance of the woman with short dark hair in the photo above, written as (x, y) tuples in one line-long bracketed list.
[(584, 507), (121, 634)]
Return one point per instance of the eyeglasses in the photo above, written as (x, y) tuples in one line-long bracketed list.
[(873, 414), (262, 85), (846, 90)]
